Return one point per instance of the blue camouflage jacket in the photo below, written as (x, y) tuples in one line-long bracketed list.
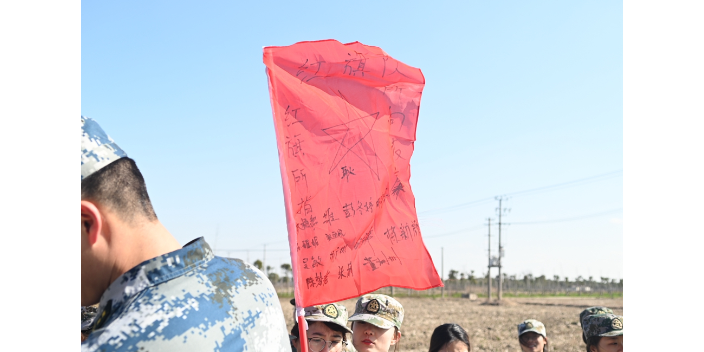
[(189, 300)]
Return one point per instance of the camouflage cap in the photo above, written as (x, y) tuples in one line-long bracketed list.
[(532, 325), (602, 325), (379, 310), (332, 313), (97, 148), (591, 311)]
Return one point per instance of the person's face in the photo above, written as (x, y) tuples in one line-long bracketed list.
[(370, 338), (454, 346), (609, 344), (534, 342), (318, 330)]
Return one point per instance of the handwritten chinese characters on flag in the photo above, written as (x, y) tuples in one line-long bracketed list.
[(345, 118)]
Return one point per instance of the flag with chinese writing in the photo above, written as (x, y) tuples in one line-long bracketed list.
[(345, 117)]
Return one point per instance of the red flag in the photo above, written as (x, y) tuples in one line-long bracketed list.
[(345, 117)]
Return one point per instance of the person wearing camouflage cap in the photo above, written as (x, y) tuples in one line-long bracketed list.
[(592, 311), (532, 336), (327, 328), (374, 316), (153, 294), (604, 332)]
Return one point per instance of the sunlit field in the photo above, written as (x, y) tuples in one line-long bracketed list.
[(490, 328)]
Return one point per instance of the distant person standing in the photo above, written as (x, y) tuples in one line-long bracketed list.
[(155, 295), (376, 323), (449, 338), (591, 311), (532, 336), (604, 332)]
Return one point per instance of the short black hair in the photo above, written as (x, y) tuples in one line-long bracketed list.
[(119, 186), (447, 333), (593, 341)]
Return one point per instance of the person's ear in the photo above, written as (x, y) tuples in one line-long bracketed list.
[(396, 338), (297, 344), (91, 221)]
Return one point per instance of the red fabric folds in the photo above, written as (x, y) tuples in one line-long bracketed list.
[(345, 117)]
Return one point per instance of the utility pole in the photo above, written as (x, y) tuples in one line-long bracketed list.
[(488, 299), (500, 210), (442, 271)]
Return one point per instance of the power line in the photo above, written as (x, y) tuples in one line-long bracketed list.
[(457, 207), (557, 186), (568, 184), (474, 228), (568, 219)]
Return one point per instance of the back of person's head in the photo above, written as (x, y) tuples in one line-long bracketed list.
[(109, 178), (447, 333), (120, 187), (119, 228)]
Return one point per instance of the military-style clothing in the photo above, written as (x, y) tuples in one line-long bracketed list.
[(379, 310), (532, 325), (591, 311), (190, 300), (602, 325)]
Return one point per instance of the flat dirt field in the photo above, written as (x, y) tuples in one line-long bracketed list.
[(490, 328)]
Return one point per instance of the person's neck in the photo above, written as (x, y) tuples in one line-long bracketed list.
[(146, 240)]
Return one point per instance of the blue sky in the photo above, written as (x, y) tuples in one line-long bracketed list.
[(518, 96)]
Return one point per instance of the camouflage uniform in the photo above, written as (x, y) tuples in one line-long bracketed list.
[(602, 325), (532, 325), (379, 310), (591, 311), (189, 300), (185, 300)]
